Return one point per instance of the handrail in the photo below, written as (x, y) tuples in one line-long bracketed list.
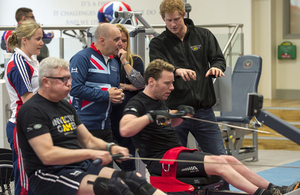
[(60, 28), (69, 27), (231, 38), (204, 25), (235, 26), (84, 27)]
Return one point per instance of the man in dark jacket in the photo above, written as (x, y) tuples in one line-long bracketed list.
[(197, 57)]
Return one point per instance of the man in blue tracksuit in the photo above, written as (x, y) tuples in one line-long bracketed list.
[(96, 81)]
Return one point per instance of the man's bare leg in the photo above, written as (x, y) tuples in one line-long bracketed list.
[(247, 173), (224, 170)]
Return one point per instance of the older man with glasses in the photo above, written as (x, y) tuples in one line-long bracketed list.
[(57, 147)]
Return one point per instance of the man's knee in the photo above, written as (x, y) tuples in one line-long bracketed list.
[(136, 183), (217, 164), (230, 159), (113, 186)]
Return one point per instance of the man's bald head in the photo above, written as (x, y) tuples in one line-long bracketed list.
[(103, 30)]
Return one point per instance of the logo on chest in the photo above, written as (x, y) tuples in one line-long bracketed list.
[(195, 47), (64, 124)]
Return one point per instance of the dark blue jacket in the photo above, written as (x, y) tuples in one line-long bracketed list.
[(92, 77)]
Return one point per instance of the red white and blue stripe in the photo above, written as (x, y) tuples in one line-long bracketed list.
[(106, 12)]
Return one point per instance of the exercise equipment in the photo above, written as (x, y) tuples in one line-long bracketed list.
[(138, 34), (201, 185), (81, 36), (254, 108), (6, 172), (245, 79)]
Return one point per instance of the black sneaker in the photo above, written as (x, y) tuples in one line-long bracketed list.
[(275, 191), (292, 187)]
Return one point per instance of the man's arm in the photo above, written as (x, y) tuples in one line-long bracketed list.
[(131, 124), (216, 72), (87, 140), (175, 121), (26, 96), (156, 52), (54, 155), (185, 74)]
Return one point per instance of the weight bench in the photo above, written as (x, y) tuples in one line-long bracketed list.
[(245, 79)]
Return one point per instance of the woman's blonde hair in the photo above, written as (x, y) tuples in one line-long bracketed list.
[(129, 54), (24, 29)]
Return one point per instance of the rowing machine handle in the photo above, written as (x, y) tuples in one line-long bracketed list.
[(114, 157)]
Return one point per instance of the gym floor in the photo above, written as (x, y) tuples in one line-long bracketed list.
[(281, 167)]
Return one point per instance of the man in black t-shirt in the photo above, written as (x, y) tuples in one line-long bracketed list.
[(57, 147), (148, 121)]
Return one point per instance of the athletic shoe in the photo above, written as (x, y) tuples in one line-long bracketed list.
[(275, 191), (292, 187)]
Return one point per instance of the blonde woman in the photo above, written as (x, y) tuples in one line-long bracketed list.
[(131, 81), (21, 76)]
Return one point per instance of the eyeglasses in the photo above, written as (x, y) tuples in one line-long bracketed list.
[(32, 17), (63, 79)]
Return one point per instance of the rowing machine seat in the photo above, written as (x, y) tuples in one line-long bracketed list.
[(168, 181), (196, 184)]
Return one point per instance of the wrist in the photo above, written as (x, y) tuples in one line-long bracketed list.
[(110, 145), (150, 117), (174, 72), (125, 85), (125, 63)]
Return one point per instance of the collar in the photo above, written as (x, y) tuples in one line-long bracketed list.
[(98, 51), (189, 23), (32, 59)]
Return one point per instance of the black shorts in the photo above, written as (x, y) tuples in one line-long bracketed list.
[(185, 169), (64, 180)]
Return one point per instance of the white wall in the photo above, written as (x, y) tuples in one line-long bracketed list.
[(287, 70), (84, 12), (279, 77), (262, 20)]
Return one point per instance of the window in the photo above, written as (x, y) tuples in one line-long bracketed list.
[(291, 19)]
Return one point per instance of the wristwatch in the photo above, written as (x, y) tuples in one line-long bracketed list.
[(110, 145), (125, 63)]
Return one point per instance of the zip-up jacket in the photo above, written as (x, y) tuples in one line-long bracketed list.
[(92, 77), (199, 51), (21, 76)]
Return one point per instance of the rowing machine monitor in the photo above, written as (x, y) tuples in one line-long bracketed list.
[(255, 104)]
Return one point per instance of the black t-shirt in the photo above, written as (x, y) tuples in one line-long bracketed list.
[(39, 116), (154, 140)]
